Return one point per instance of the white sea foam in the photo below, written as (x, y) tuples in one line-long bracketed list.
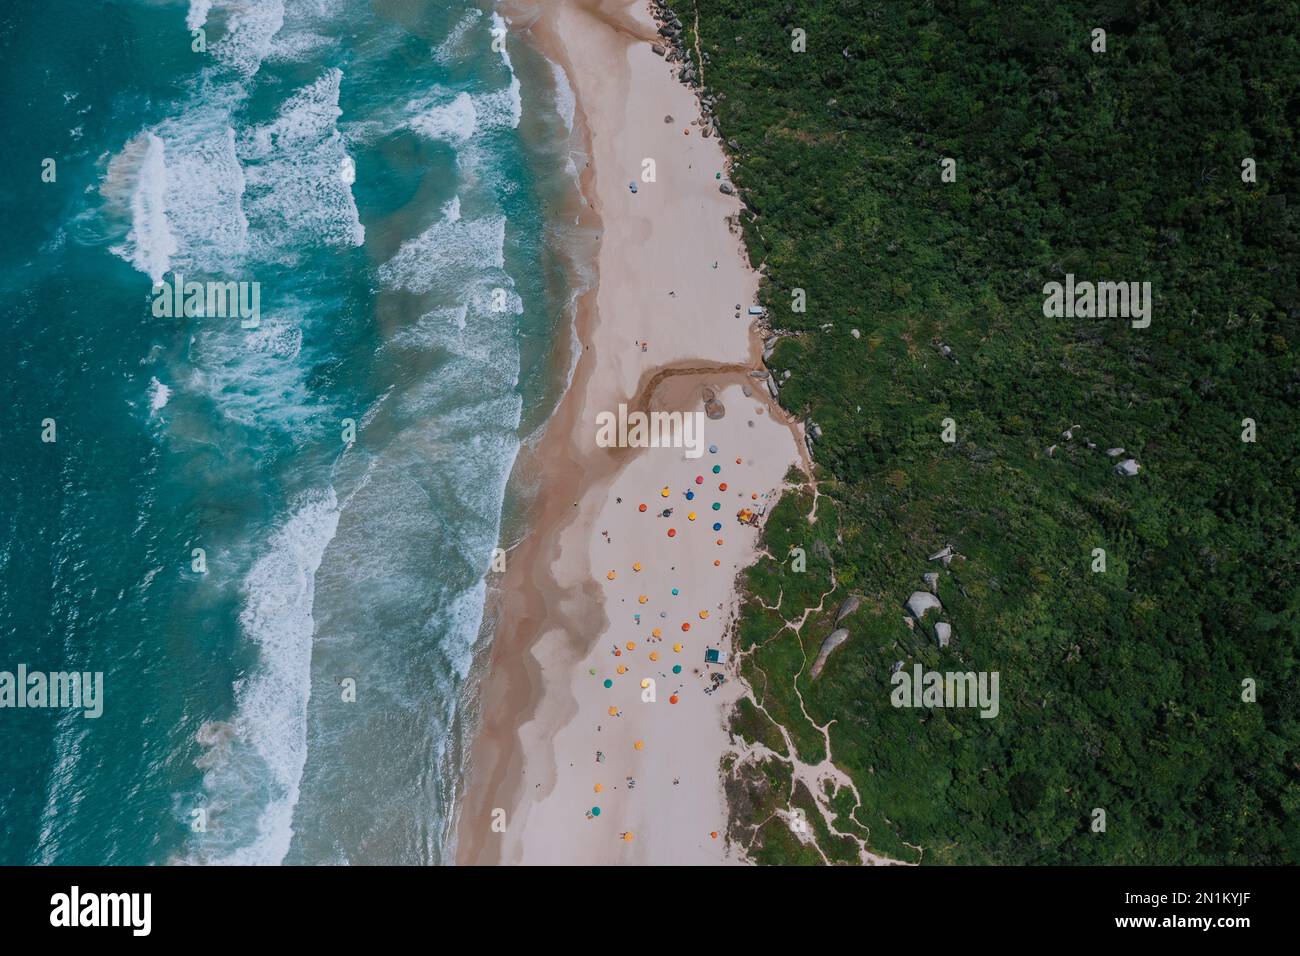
[(472, 462), (453, 47), (456, 116), (250, 33), (271, 705), (499, 30), (500, 109), (441, 255), (454, 122), (565, 102), (299, 46), (205, 190), (431, 329), (205, 198), (150, 244), (198, 14), (295, 196), (458, 624), (460, 117), (159, 396), (254, 377), (185, 200)]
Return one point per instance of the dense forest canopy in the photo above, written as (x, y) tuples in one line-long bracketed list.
[(1120, 689)]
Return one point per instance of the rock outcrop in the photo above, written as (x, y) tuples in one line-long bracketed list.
[(836, 638)]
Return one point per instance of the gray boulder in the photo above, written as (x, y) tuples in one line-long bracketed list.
[(851, 604), (922, 601), (836, 638)]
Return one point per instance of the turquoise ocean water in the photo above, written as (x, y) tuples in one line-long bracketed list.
[(394, 185)]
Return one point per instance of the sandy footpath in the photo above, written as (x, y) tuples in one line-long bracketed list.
[(586, 591)]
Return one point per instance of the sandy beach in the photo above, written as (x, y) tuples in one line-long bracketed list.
[(601, 726)]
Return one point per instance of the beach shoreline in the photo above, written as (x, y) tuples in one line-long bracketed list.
[(531, 755)]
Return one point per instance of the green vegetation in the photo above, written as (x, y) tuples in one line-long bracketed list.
[(750, 725), (1120, 690)]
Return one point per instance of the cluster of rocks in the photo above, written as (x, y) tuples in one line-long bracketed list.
[(811, 431), (713, 408), (772, 375), (1127, 468), (921, 603), (674, 49)]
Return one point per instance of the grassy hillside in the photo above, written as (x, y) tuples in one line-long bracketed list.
[(1120, 690)]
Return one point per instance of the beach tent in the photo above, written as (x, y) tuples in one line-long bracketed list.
[(714, 656)]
